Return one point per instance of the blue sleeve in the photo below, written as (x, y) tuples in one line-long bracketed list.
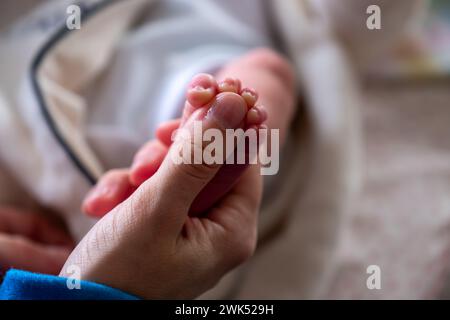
[(23, 285)]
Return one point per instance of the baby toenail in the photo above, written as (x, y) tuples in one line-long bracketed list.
[(229, 85), (198, 89), (250, 96), (202, 80), (253, 116)]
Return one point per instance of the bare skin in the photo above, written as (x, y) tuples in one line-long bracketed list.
[(135, 234), (268, 79), (150, 246), (29, 241)]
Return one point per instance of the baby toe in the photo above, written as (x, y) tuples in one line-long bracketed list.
[(201, 90), (230, 85), (256, 116), (250, 96)]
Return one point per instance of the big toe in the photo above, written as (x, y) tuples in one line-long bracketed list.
[(201, 90)]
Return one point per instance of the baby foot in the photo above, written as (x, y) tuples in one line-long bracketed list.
[(202, 92), (204, 88)]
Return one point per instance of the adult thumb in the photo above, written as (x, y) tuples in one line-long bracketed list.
[(185, 171)]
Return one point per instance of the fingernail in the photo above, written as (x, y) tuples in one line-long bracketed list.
[(228, 110)]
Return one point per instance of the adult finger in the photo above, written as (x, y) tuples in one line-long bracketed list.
[(112, 189), (22, 253), (34, 226), (179, 175), (237, 214), (165, 130), (147, 161)]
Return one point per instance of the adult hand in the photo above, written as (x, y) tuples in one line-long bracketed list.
[(150, 247), (31, 242)]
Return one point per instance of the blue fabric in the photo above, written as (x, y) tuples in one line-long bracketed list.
[(23, 285)]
